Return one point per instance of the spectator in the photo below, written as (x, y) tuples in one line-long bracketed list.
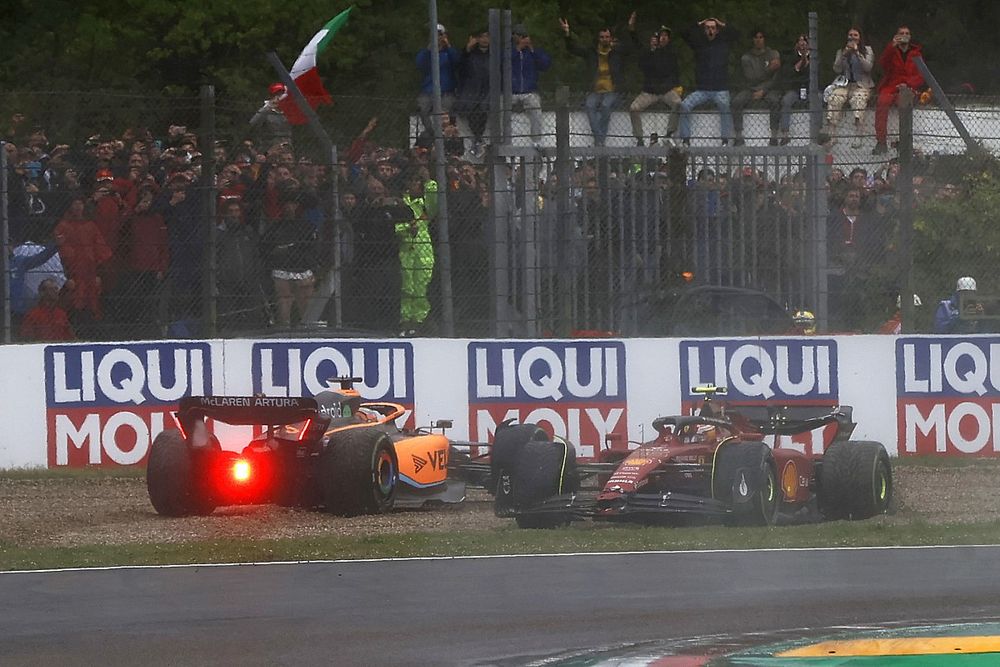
[(82, 251), (269, 123), (472, 101), (761, 66), (147, 253), (239, 276), (182, 286), (948, 318), (660, 82), (899, 70), (856, 243), (372, 297), (527, 62), (853, 65), (794, 84), (291, 243), (449, 60), (711, 40), (416, 254), (605, 62), (47, 321), (469, 256), (30, 264)]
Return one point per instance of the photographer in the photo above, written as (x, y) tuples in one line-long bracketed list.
[(899, 70), (948, 318)]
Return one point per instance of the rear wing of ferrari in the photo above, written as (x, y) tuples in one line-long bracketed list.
[(792, 419), (247, 410)]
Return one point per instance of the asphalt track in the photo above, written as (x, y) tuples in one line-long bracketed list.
[(472, 610)]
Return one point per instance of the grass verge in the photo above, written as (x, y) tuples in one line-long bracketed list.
[(509, 540)]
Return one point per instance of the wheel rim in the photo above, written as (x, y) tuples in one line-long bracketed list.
[(385, 474), (883, 486)]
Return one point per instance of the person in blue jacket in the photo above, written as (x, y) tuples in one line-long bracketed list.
[(449, 60), (947, 317), (527, 62)]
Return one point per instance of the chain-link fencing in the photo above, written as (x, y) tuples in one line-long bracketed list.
[(151, 218)]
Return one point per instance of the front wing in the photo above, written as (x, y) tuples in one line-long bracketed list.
[(629, 506)]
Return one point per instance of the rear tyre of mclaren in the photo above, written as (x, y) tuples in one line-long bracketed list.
[(171, 478), (855, 480), (508, 443), (746, 479), (543, 470), (359, 473)]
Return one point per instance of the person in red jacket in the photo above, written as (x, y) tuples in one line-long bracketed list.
[(147, 256), (47, 321), (898, 69), (82, 250)]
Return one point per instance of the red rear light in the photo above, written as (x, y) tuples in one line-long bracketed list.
[(241, 471)]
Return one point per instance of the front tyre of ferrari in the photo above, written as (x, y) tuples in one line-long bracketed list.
[(856, 480), (359, 473), (745, 478), (544, 470)]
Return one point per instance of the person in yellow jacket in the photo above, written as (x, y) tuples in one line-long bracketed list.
[(416, 253)]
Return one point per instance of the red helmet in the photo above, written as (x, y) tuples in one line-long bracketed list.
[(276, 88)]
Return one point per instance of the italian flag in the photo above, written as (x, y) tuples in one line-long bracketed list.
[(306, 75)]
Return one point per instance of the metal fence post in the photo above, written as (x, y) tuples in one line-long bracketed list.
[(815, 103), (441, 175), (564, 169), (904, 185), (209, 285), (5, 266)]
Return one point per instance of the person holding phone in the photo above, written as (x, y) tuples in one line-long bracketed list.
[(899, 70), (853, 84)]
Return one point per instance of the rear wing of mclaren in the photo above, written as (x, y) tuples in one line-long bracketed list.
[(247, 410)]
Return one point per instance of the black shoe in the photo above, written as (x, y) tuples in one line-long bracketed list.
[(640, 142), (772, 142), (784, 141), (686, 142), (880, 149), (736, 142), (725, 142)]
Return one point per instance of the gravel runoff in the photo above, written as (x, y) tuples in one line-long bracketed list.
[(114, 511)]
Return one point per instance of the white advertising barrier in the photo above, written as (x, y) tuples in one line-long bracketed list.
[(102, 404)]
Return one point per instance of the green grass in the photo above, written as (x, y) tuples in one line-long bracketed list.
[(507, 540), (88, 473)]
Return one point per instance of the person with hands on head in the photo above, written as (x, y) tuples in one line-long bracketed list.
[(711, 41), (899, 70), (660, 80), (269, 122), (606, 63)]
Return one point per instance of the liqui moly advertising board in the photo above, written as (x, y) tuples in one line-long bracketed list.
[(106, 403), (306, 368), (575, 390), (781, 371), (948, 396)]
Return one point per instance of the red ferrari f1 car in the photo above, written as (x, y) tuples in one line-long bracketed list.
[(713, 464), (332, 451)]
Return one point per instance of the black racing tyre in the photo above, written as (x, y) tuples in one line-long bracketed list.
[(169, 475), (543, 470), (855, 480), (508, 442), (746, 479), (359, 473), (204, 461)]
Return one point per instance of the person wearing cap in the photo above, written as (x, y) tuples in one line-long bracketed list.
[(527, 62), (270, 123), (449, 60), (948, 316), (660, 81), (760, 66), (82, 251), (606, 62), (711, 40)]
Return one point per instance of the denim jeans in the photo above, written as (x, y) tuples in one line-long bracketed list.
[(718, 97), (599, 106)]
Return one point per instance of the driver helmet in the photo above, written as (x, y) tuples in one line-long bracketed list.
[(805, 322)]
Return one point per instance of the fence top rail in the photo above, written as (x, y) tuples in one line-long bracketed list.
[(529, 152)]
